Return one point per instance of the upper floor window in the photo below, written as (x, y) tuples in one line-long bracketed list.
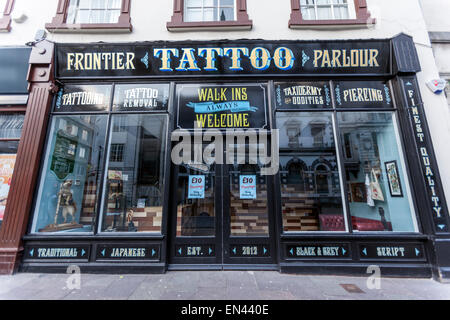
[(91, 15), (94, 11), (209, 15), (327, 9), (310, 13), (209, 10)]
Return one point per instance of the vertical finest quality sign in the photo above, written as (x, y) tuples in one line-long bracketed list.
[(434, 188), (196, 187), (222, 106)]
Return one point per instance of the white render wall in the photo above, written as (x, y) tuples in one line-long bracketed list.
[(270, 22)]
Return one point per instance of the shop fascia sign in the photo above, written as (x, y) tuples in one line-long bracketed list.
[(226, 58)]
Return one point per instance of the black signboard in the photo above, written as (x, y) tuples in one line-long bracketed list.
[(249, 250), (227, 106), (127, 252), (200, 250), (141, 97), (64, 252), (223, 57), (318, 251), (302, 95), (392, 251), (83, 98), (422, 138), (362, 94)]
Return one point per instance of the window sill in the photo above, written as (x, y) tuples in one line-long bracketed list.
[(90, 28), (332, 24), (209, 26)]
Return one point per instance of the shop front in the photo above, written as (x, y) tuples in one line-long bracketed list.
[(264, 155)]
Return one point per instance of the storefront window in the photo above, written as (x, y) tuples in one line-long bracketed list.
[(67, 197), (10, 130), (378, 190), (311, 195), (133, 198)]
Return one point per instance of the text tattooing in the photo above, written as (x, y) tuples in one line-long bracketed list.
[(260, 59)]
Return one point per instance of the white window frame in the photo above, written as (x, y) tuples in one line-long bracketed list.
[(203, 7), (350, 7), (74, 5)]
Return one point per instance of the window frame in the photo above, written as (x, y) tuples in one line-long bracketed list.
[(363, 17), (177, 22), (408, 187), (5, 19), (59, 22)]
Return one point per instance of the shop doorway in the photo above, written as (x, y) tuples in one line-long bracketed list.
[(221, 217)]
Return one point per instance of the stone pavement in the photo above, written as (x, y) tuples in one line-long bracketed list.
[(216, 285)]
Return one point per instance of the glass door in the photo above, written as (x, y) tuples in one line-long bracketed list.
[(221, 215), (196, 215)]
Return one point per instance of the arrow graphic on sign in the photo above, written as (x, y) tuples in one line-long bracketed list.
[(234, 250), (343, 251), (153, 252), (32, 252), (291, 251), (264, 250), (209, 250), (82, 252), (179, 251), (103, 252), (417, 252), (441, 226), (365, 251)]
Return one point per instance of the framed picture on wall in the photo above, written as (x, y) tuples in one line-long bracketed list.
[(393, 178)]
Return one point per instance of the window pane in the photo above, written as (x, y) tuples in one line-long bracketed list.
[(379, 194), (67, 197), (311, 194), (82, 17), (133, 200), (11, 126), (195, 208), (308, 13), (226, 14), (192, 15), (341, 12), (8, 150), (193, 3), (248, 201)]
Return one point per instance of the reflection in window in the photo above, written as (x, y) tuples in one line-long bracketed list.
[(195, 201), (248, 200), (94, 11), (325, 9), (311, 196), (70, 181), (133, 197), (379, 193), (209, 10), (10, 129)]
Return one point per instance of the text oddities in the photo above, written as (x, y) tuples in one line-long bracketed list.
[(304, 95)]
